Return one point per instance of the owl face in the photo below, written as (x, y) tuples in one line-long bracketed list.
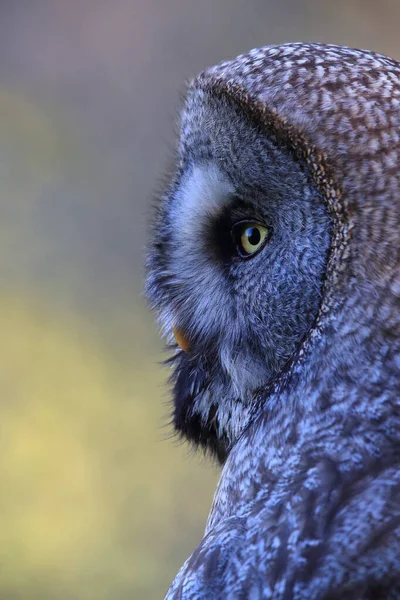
[(235, 268)]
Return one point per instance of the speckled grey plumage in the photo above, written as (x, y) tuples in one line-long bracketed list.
[(308, 504)]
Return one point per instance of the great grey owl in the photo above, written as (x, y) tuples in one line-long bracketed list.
[(275, 265)]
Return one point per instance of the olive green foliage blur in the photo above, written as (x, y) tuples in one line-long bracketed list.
[(95, 501)]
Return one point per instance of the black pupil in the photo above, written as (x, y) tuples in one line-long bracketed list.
[(253, 235)]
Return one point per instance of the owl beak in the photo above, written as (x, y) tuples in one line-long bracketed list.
[(181, 339)]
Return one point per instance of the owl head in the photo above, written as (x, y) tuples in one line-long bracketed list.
[(253, 228), (237, 263)]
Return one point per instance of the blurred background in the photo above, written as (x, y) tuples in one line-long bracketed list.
[(96, 499)]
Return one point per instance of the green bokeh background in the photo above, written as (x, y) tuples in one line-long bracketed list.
[(97, 501)]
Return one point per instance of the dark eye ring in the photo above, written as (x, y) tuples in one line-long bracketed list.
[(250, 237)]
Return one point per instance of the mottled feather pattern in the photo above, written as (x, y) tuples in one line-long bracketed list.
[(308, 503)]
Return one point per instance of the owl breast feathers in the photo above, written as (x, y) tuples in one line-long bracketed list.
[(274, 269)]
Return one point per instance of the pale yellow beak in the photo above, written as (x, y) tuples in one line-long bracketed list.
[(181, 339)]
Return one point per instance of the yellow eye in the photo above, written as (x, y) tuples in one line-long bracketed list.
[(250, 237)]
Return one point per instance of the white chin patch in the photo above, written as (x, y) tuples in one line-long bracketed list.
[(203, 193)]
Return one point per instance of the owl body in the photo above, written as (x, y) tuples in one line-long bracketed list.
[(276, 255)]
